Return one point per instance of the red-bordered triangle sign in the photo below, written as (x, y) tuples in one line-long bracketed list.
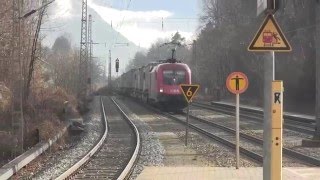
[(269, 37)]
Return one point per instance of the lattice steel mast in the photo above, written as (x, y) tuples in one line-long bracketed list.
[(83, 69)]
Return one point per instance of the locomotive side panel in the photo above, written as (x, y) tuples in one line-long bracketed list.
[(135, 82), (140, 83), (130, 82), (145, 84), (153, 85)]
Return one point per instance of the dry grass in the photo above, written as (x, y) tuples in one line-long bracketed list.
[(43, 116)]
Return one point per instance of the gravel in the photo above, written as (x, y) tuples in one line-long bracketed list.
[(153, 153), (51, 165), (291, 138)]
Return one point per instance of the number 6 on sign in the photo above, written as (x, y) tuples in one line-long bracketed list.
[(189, 91)]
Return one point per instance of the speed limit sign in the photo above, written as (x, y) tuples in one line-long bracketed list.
[(189, 90)]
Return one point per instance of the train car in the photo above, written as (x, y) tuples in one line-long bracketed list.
[(158, 83), (126, 86)]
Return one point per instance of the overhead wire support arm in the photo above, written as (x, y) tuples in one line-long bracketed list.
[(36, 10), (34, 47)]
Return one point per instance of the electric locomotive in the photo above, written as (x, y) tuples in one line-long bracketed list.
[(158, 83)]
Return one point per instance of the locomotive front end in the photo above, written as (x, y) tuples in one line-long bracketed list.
[(170, 76)]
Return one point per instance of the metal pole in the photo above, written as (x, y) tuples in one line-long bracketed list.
[(109, 77), (194, 51), (269, 75), (21, 78), (237, 130), (90, 53), (317, 43), (187, 125)]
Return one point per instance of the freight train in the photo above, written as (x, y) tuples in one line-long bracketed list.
[(157, 83)]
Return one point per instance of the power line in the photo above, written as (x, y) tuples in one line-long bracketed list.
[(128, 6)]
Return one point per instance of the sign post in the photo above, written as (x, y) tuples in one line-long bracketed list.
[(237, 130), (189, 91), (276, 132), (237, 83), (269, 38), (261, 6)]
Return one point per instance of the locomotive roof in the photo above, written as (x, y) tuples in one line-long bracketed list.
[(159, 62)]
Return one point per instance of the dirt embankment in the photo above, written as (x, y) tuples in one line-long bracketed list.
[(44, 115)]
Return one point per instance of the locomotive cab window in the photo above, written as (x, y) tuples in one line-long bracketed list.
[(174, 77)]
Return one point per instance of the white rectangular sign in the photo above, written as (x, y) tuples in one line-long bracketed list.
[(261, 6)]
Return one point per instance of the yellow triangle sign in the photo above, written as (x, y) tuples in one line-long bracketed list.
[(270, 37), (189, 90)]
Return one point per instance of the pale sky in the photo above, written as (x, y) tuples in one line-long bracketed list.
[(140, 21)]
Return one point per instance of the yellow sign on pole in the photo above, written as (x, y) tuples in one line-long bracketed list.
[(270, 37), (189, 90), (276, 133)]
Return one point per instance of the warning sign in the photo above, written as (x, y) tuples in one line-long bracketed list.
[(237, 82), (189, 90), (270, 37)]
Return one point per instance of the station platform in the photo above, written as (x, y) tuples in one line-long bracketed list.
[(224, 173)]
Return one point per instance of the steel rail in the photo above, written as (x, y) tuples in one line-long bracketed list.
[(286, 151), (258, 117), (129, 168), (91, 153), (126, 172), (254, 156), (11, 168), (248, 153), (260, 111)]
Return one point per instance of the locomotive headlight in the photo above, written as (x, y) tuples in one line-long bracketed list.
[(161, 90)]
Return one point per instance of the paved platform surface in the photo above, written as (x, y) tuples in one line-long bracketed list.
[(223, 173)]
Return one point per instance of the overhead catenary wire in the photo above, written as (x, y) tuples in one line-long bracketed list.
[(121, 23)]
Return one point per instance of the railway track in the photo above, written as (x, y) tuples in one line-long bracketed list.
[(250, 146), (289, 152), (295, 123), (115, 154), (257, 157)]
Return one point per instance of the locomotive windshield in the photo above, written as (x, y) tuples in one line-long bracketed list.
[(174, 77)]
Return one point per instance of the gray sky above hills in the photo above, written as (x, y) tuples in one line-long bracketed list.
[(138, 22)]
